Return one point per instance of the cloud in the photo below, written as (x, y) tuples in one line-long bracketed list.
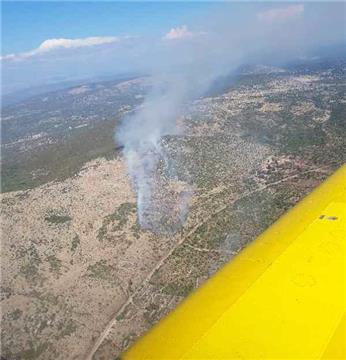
[(52, 44), (281, 14), (58, 44), (8, 57), (181, 32)]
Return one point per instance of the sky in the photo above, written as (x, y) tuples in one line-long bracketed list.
[(184, 46), (47, 42), (27, 24)]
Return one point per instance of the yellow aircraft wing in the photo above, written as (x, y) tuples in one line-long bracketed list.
[(282, 297)]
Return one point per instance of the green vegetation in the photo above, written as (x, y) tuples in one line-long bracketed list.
[(66, 328), (100, 270), (16, 314), (120, 216), (240, 188), (122, 316), (57, 219), (75, 129), (152, 313), (75, 243), (59, 160), (136, 230), (128, 340), (337, 116), (298, 140), (30, 264), (54, 263), (34, 352), (227, 232), (179, 288)]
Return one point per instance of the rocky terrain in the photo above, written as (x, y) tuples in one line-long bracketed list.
[(82, 280)]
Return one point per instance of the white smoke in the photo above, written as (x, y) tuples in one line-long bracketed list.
[(145, 153), (183, 70)]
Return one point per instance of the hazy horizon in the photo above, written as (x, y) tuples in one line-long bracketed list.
[(51, 42)]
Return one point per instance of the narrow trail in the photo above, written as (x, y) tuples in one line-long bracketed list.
[(129, 300)]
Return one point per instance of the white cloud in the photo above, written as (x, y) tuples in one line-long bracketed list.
[(58, 44), (281, 14), (181, 32), (8, 57), (52, 44)]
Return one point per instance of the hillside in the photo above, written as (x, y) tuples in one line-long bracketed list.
[(80, 277)]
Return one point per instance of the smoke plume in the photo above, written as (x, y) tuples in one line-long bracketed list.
[(182, 70)]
